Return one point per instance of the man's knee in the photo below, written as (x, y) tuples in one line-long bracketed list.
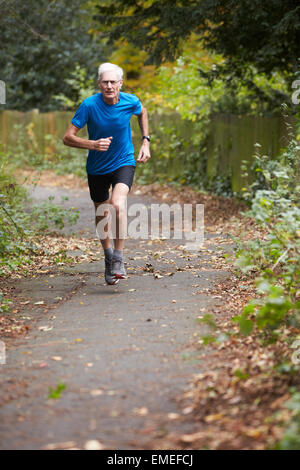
[(119, 204), (102, 209)]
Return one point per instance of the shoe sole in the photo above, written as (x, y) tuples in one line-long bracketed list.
[(120, 276), (112, 283)]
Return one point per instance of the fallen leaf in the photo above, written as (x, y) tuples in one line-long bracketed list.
[(211, 418), (56, 358), (45, 328), (187, 410), (143, 411), (96, 392), (255, 433), (192, 437), (93, 445)]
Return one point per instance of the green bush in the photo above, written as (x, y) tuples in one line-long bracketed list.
[(291, 437), (19, 227), (274, 204), (274, 257), (60, 159), (5, 304)]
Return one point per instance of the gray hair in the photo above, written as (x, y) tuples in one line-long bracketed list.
[(107, 67)]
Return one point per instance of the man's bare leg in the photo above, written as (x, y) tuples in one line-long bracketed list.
[(105, 240), (119, 202), (100, 215)]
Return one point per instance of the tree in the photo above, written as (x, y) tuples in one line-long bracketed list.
[(245, 32), (40, 45)]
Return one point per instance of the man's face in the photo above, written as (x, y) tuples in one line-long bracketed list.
[(110, 86)]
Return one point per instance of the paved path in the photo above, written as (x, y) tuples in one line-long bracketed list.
[(125, 352)]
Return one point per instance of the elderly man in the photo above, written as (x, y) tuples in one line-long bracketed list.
[(111, 155)]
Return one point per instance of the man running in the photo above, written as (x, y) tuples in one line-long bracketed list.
[(111, 154)]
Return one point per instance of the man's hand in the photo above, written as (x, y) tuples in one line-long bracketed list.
[(144, 153), (101, 145)]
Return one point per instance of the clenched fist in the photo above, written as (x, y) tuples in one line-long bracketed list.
[(101, 145), (144, 153)]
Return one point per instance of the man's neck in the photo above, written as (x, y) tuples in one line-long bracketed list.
[(111, 101)]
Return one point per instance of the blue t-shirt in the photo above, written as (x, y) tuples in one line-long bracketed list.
[(105, 120)]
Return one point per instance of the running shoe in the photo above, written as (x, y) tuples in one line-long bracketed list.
[(118, 269), (109, 278)]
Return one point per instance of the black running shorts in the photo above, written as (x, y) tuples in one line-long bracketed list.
[(99, 184)]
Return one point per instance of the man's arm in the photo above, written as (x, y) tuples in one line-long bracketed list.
[(72, 140), (144, 153)]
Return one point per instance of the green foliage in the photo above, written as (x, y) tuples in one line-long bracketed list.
[(246, 326), (181, 148), (40, 44), (286, 367), (179, 145), (240, 374), (273, 200), (19, 230), (291, 437), (82, 87), (47, 215), (56, 392), (208, 320), (5, 304), (207, 339), (188, 88), (20, 222), (62, 159), (13, 243), (55, 157), (246, 32)]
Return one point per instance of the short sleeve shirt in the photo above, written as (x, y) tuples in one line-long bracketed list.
[(105, 120)]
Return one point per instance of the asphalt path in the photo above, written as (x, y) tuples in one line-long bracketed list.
[(124, 354)]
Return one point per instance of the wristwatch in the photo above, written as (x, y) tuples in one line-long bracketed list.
[(146, 137)]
